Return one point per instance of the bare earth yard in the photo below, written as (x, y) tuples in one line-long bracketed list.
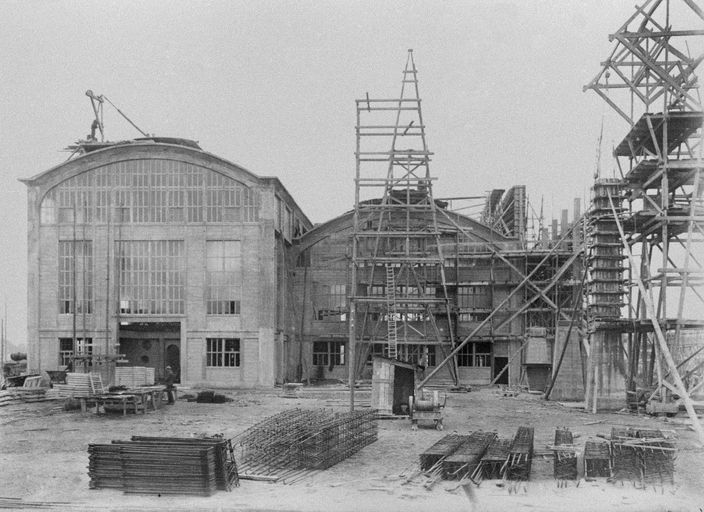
[(44, 458)]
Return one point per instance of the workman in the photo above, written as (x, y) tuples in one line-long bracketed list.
[(422, 364), (169, 381)]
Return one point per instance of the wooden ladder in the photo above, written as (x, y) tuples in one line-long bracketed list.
[(391, 312)]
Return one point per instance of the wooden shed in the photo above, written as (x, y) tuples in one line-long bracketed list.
[(392, 383)]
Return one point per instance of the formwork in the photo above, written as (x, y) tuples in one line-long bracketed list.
[(468, 455), (520, 454)]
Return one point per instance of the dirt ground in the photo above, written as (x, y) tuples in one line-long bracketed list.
[(44, 458)]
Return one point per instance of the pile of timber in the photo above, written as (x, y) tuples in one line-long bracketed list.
[(80, 385), (134, 376), (642, 455), (12, 396), (565, 460), (520, 454), (597, 459), (465, 460), (164, 465)]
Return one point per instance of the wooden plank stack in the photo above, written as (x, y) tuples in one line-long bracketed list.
[(134, 376), (81, 385), (156, 465)]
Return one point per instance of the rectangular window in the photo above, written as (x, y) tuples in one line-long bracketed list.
[(223, 352), (473, 297), (331, 302), (475, 354), (75, 277), (412, 353), (223, 277), (66, 353), (328, 353), (152, 277)]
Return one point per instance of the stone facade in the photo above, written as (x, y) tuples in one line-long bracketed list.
[(164, 253)]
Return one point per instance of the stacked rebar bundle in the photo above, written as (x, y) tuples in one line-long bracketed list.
[(565, 461), (626, 465), (440, 450), (465, 460), (297, 441), (597, 459), (156, 465), (643, 455), (493, 463), (520, 455), (226, 475)]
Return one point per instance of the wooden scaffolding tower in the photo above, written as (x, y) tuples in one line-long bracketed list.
[(399, 295), (657, 213)]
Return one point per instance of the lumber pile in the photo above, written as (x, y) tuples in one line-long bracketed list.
[(164, 465), (13, 396), (80, 385), (134, 376)]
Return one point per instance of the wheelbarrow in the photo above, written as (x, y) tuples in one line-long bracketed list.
[(426, 408)]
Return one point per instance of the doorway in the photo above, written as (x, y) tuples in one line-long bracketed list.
[(152, 344), (499, 364)]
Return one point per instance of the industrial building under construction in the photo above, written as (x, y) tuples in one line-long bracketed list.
[(153, 252)]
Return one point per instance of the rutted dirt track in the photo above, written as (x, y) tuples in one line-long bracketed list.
[(44, 458)]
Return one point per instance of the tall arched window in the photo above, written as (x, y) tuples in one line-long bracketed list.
[(150, 191)]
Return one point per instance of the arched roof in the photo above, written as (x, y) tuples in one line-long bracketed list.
[(136, 150), (446, 221)]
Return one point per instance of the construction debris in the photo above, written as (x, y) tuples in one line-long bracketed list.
[(164, 465), (295, 442)]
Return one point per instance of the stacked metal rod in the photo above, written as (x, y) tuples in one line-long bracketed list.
[(297, 441), (440, 450), (625, 463), (597, 459), (162, 465), (520, 455), (465, 460), (643, 455), (152, 469), (493, 463), (225, 465), (565, 461)]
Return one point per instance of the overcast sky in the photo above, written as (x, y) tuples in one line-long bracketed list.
[(271, 86)]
